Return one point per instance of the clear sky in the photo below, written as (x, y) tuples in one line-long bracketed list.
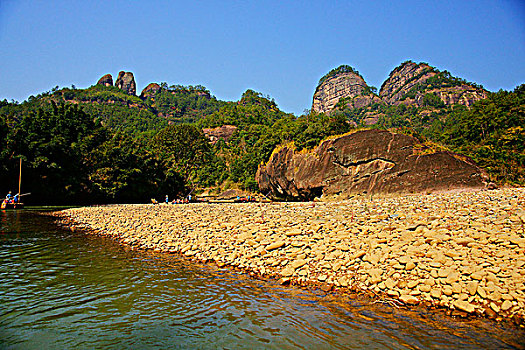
[(279, 48)]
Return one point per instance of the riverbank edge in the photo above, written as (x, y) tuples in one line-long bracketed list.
[(352, 290)]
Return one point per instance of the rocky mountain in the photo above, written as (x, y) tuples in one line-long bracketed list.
[(343, 82), (150, 90), (126, 81), (106, 80), (411, 84), (366, 162)]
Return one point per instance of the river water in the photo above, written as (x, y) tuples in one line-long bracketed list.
[(64, 290)]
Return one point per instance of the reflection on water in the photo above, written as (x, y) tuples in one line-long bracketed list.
[(65, 290)]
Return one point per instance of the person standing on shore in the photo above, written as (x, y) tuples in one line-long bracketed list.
[(167, 200)]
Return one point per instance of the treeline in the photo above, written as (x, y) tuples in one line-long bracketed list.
[(69, 157), (80, 150), (72, 155)]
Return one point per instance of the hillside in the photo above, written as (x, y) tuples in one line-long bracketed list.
[(106, 144)]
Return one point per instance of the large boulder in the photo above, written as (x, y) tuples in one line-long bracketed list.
[(365, 162), (126, 82), (106, 80)]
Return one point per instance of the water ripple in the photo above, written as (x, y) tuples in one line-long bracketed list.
[(64, 290)]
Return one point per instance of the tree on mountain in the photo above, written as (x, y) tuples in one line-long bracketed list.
[(182, 150)]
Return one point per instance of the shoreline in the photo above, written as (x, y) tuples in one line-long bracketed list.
[(463, 252)]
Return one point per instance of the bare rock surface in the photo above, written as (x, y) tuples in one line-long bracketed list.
[(126, 81), (406, 249), (409, 75), (224, 132), (342, 85), (365, 162), (406, 84), (106, 80), (150, 90)]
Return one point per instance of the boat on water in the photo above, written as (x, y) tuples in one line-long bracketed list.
[(11, 205), (14, 202)]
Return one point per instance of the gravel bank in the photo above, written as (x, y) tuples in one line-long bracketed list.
[(464, 252)]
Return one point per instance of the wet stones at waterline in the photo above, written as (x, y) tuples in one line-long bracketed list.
[(462, 251)]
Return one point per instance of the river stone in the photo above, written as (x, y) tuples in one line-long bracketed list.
[(408, 299), (506, 305), (392, 293), (472, 287), (495, 296), (390, 283), (464, 306), (404, 259), (482, 293), (435, 293), (456, 288), (293, 232), (275, 245), (287, 271), (430, 281), (412, 284), (443, 272), (494, 307), (373, 258), (359, 254), (452, 277), (464, 241), (298, 263), (476, 275)]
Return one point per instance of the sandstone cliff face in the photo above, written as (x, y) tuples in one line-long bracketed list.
[(106, 80), (150, 90), (365, 162), (402, 79), (126, 82), (409, 83), (347, 85)]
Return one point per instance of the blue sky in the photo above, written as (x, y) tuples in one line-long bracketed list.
[(279, 48)]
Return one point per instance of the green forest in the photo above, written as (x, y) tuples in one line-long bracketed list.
[(101, 145)]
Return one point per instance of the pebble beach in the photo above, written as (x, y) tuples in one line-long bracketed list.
[(462, 252)]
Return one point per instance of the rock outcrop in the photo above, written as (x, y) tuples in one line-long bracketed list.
[(126, 82), (365, 162), (342, 83), (224, 132), (407, 84), (402, 79), (410, 82), (150, 90), (106, 80)]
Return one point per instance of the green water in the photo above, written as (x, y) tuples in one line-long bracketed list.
[(63, 290)]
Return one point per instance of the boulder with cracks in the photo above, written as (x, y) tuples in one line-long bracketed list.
[(366, 162)]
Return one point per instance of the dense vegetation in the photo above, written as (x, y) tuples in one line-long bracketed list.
[(100, 145), (79, 149), (70, 157)]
